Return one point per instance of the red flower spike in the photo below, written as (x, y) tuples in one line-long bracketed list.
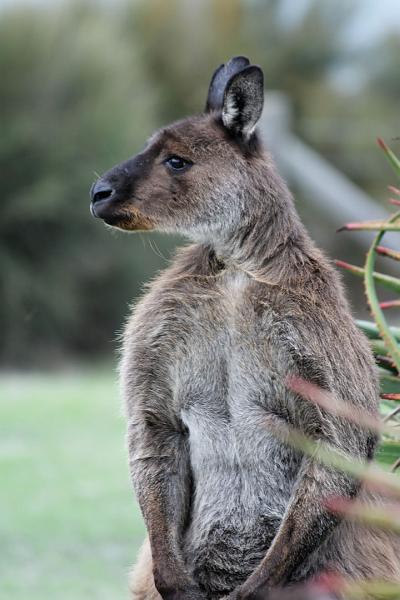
[(393, 189), (327, 582), (338, 504), (382, 144), (380, 225), (351, 227), (390, 304), (384, 251), (349, 267), (390, 397), (341, 263)]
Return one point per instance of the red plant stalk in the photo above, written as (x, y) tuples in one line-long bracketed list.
[(393, 189), (333, 405), (390, 304), (384, 251), (395, 397)]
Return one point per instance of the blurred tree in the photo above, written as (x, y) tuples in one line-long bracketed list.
[(85, 82), (71, 91), (385, 68)]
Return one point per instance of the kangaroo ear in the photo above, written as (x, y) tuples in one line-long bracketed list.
[(219, 80), (243, 101)]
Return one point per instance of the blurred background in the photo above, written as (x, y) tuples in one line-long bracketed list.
[(83, 84)]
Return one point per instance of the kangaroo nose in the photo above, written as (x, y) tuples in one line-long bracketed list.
[(101, 190)]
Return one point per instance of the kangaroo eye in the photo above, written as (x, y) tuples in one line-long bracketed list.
[(177, 164)]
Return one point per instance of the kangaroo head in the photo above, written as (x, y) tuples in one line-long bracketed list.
[(192, 177)]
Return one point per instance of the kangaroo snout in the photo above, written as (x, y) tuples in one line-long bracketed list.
[(114, 196), (102, 194), (113, 200)]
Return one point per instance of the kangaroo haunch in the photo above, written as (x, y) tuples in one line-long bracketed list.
[(230, 508)]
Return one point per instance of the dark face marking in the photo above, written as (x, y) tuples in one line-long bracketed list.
[(186, 180)]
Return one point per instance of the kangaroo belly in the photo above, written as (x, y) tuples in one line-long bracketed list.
[(242, 480), (228, 388)]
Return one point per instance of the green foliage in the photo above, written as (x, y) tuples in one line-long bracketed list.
[(385, 344), (385, 340)]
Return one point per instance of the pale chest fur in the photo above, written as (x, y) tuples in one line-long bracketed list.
[(226, 386)]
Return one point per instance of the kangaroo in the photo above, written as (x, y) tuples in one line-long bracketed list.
[(231, 508)]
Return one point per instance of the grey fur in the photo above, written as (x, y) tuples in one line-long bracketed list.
[(229, 506)]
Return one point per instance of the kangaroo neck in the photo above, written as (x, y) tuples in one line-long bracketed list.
[(271, 245)]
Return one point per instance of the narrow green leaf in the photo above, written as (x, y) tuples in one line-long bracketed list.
[(390, 155), (372, 332), (370, 289), (373, 590), (372, 476), (392, 283), (390, 384)]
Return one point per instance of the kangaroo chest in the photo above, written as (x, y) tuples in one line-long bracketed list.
[(227, 388), (228, 377)]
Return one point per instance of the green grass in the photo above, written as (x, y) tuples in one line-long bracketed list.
[(69, 525)]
